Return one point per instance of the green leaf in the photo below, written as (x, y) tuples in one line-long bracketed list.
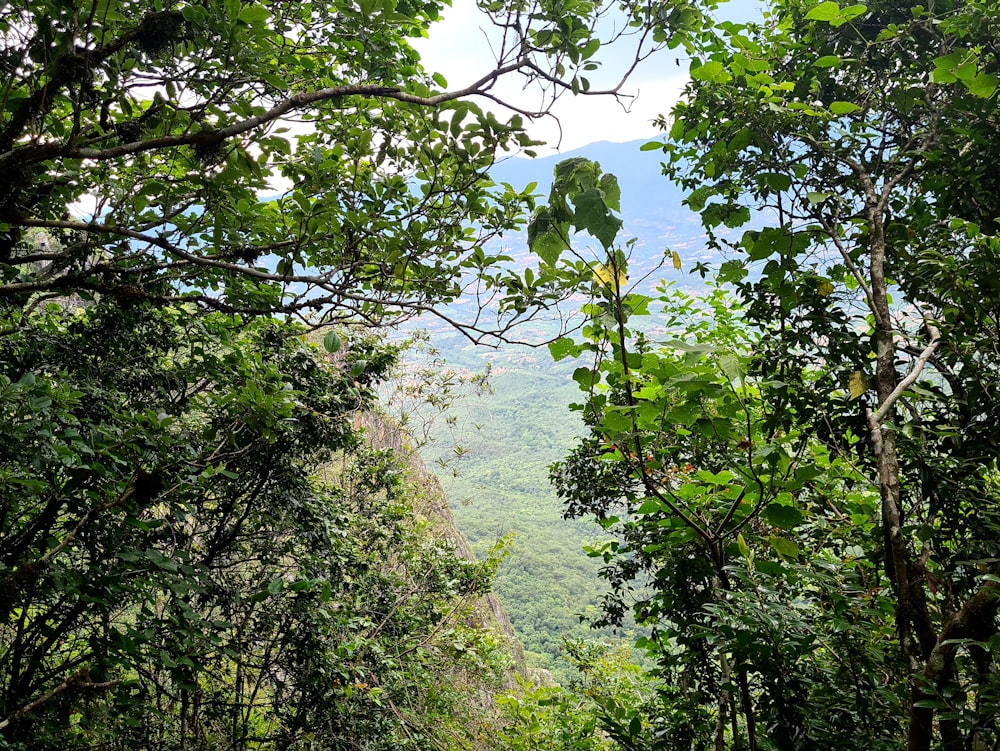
[(775, 181), (741, 543), (941, 75), (594, 215), (826, 11), (651, 506), (612, 191), (563, 347), (585, 377), (546, 237), (849, 14), (828, 61), (712, 71), (983, 85), (784, 548), (332, 342), (782, 516), (843, 108), (730, 365), (254, 14)]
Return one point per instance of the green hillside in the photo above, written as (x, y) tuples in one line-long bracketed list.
[(498, 485)]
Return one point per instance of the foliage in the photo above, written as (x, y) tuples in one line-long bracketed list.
[(607, 685), (173, 575), (172, 119), (855, 112), (807, 486), (496, 449)]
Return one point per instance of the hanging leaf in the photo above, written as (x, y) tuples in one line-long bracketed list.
[(783, 517), (676, 259), (741, 543), (858, 384), (332, 342), (784, 548)]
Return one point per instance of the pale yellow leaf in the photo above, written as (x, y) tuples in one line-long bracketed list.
[(858, 384), (604, 276), (825, 289), (677, 260)]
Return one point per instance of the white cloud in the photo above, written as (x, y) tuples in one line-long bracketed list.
[(462, 48)]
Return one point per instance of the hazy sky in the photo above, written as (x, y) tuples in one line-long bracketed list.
[(460, 50)]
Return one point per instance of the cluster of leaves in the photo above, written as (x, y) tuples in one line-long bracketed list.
[(171, 574), (173, 119), (607, 701), (175, 574), (803, 474), (729, 539)]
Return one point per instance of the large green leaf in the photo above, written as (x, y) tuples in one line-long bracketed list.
[(783, 516)]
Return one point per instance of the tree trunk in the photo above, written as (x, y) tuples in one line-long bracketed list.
[(905, 573)]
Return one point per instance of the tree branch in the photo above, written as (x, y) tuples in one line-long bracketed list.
[(79, 680), (875, 419)]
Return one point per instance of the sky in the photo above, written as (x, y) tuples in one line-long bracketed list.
[(460, 49)]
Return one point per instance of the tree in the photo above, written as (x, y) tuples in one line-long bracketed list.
[(174, 119), (199, 551), (826, 552), (864, 137), (172, 574)]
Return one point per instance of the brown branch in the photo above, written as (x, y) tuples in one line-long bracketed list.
[(79, 680), (40, 152)]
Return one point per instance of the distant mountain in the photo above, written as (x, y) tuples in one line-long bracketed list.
[(652, 208), (501, 444)]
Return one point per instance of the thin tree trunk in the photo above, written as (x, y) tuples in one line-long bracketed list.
[(905, 573)]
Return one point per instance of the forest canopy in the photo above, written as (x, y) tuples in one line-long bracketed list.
[(137, 140), (801, 477), (198, 548)]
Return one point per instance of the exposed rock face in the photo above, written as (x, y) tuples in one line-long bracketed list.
[(430, 500)]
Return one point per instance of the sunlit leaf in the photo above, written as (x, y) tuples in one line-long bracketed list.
[(843, 108), (784, 548), (828, 61), (605, 276), (826, 11)]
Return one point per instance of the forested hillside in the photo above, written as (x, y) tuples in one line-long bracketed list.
[(493, 450), (498, 486)]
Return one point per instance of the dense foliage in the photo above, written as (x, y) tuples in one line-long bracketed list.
[(797, 471), (804, 471), (174, 574), (142, 136)]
